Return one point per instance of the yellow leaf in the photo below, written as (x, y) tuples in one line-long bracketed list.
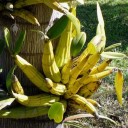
[(119, 86)]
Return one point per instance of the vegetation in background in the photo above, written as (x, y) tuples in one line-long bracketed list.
[(115, 14)]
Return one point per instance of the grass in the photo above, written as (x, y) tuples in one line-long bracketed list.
[(115, 14), (109, 2)]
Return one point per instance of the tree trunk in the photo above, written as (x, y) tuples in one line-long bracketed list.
[(31, 51)]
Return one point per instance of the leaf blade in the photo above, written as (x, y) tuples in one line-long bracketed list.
[(6, 102), (56, 112), (9, 79), (7, 36), (119, 86), (19, 42), (112, 46), (99, 15), (113, 55)]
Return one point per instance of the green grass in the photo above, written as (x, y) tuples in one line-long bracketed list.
[(115, 14), (109, 2)]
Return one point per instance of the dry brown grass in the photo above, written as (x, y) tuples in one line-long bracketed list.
[(110, 108)]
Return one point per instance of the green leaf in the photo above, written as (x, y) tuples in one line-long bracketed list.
[(56, 112), (58, 27), (9, 79), (77, 43), (112, 46), (74, 20), (1, 70), (19, 42), (7, 36), (2, 45), (6, 102), (113, 55)]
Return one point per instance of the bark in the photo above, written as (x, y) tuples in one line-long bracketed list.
[(31, 51), (28, 123)]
